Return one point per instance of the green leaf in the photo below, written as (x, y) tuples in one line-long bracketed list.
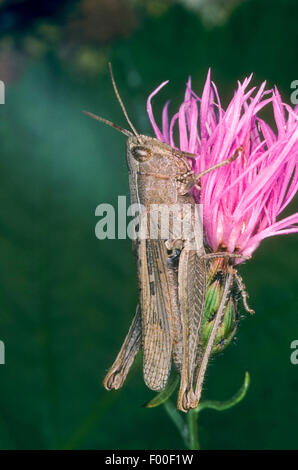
[(192, 439), (166, 393), (225, 405)]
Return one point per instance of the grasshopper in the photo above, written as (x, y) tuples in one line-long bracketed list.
[(171, 272)]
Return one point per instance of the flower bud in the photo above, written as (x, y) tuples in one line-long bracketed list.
[(228, 326)]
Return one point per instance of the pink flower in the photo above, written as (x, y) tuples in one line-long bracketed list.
[(240, 201)]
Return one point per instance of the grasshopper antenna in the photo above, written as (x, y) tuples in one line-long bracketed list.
[(121, 102), (109, 123)]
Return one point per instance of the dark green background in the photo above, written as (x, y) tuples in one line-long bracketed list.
[(67, 299)]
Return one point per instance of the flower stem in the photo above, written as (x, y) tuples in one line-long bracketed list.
[(192, 424), (177, 419)]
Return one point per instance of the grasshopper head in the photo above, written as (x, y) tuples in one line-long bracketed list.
[(143, 148), (147, 154)]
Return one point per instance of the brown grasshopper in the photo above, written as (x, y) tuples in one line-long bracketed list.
[(171, 272)]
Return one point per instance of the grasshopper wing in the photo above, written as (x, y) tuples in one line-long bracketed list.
[(156, 308)]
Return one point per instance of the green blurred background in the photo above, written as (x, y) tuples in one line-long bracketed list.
[(66, 298)]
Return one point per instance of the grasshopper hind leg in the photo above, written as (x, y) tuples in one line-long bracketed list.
[(192, 289), (177, 351), (132, 343)]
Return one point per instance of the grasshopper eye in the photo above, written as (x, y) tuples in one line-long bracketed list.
[(141, 154)]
